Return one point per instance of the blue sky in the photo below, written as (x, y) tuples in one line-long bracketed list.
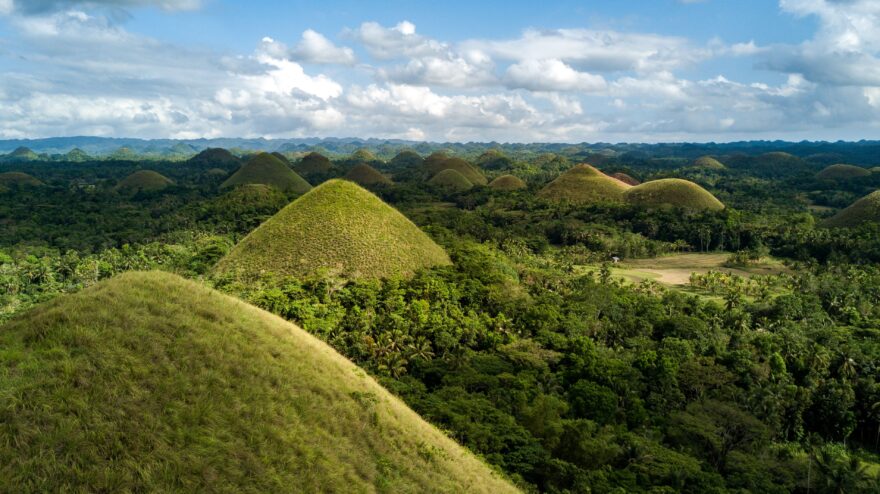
[(569, 71)]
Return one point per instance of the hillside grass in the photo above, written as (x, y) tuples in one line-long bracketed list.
[(143, 180), (623, 177), (507, 182), (584, 184), (313, 163), (842, 172), (265, 168), (337, 226), (152, 383), (473, 174), (673, 192), (215, 158), (364, 174), (451, 180), (866, 209), (708, 163)]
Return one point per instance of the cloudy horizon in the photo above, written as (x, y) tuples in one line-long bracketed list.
[(580, 71)]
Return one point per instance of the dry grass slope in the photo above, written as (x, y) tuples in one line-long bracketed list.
[(215, 157), (337, 226), (365, 174), (152, 383), (19, 179), (507, 182), (143, 180), (474, 175), (584, 184), (842, 172), (452, 180), (708, 163), (269, 170), (866, 209), (623, 177), (673, 192), (313, 163)]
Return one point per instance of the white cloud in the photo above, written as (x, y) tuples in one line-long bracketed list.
[(315, 48), (552, 75), (396, 42)]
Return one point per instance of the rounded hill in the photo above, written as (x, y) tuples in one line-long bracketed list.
[(143, 181), (18, 179), (337, 226), (584, 184), (215, 158), (842, 172), (151, 383), (452, 180), (269, 170), (470, 172), (23, 154), (673, 192), (363, 154), (365, 174), (313, 163), (507, 182), (407, 159), (866, 209), (623, 177), (708, 163)]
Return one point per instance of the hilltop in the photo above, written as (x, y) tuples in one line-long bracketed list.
[(673, 192), (866, 209), (19, 179), (507, 182), (76, 154), (313, 163), (708, 163), (842, 172), (474, 175), (338, 226), (452, 180), (215, 158), (584, 184), (151, 383), (143, 180), (363, 154), (265, 168), (407, 159), (22, 153), (365, 174)]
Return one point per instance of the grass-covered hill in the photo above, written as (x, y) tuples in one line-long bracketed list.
[(215, 158), (474, 175), (584, 184), (363, 154), (866, 209), (76, 155), (451, 180), (151, 383), (627, 179), (842, 172), (269, 170), (507, 182), (281, 158), (313, 163), (21, 153), (365, 174), (407, 159), (708, 163), (673, 192), (19, 179), (337, 226), (143, 181)]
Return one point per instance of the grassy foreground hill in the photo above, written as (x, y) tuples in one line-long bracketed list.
[(452, 180), (507, 182), (143, 180), (339, 226), (584, 184), (151, 383), (842, 172), (673, 192), (267, 169), (866, 209)]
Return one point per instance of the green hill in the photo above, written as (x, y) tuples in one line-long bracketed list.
[(471, 173), (842, 172), (365, 174), (337, 226), (143, 180), (76, 155), (313, 163), (281, 158), (623, 177), (708, 163), (151, 383), (363, 154), (673, 192), (584, 184), (507, 182), (269, 170), (22, 154), (18, 179), (215, 158), (123, 154), (866, 209), (407, 159), (433, 160), (494, 159), (452, 180)]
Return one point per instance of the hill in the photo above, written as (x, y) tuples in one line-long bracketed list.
[(470, 172), (269, 170), (124, 154), (673, 192), (151, 383), (584, 184), (76, 154), (313, 163), (337, 226), (22, 153), (407, 159), (842, 172), (365, 174), (215, 158), (143, 180), (281, 158), (708, 163), (18, 179), (623, 177), (452, 180), (866, 209), (363, 154), (507, 182)]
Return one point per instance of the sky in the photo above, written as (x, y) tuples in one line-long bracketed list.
[(506, 71)]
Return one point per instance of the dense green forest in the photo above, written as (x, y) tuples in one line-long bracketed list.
[(544, 348)]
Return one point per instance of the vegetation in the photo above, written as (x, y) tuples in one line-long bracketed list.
[(337, 226), (842, 172), (452, 180), (584, 184), (149, 382), (313, 163), (266, 169), (673, 192), (18, 179), (366, 175), (216, 158), (866, 209), (144, 181), (435, 166)]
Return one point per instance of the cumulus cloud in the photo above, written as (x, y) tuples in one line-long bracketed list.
[(396, 42), (552, 75), (315, 48)]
